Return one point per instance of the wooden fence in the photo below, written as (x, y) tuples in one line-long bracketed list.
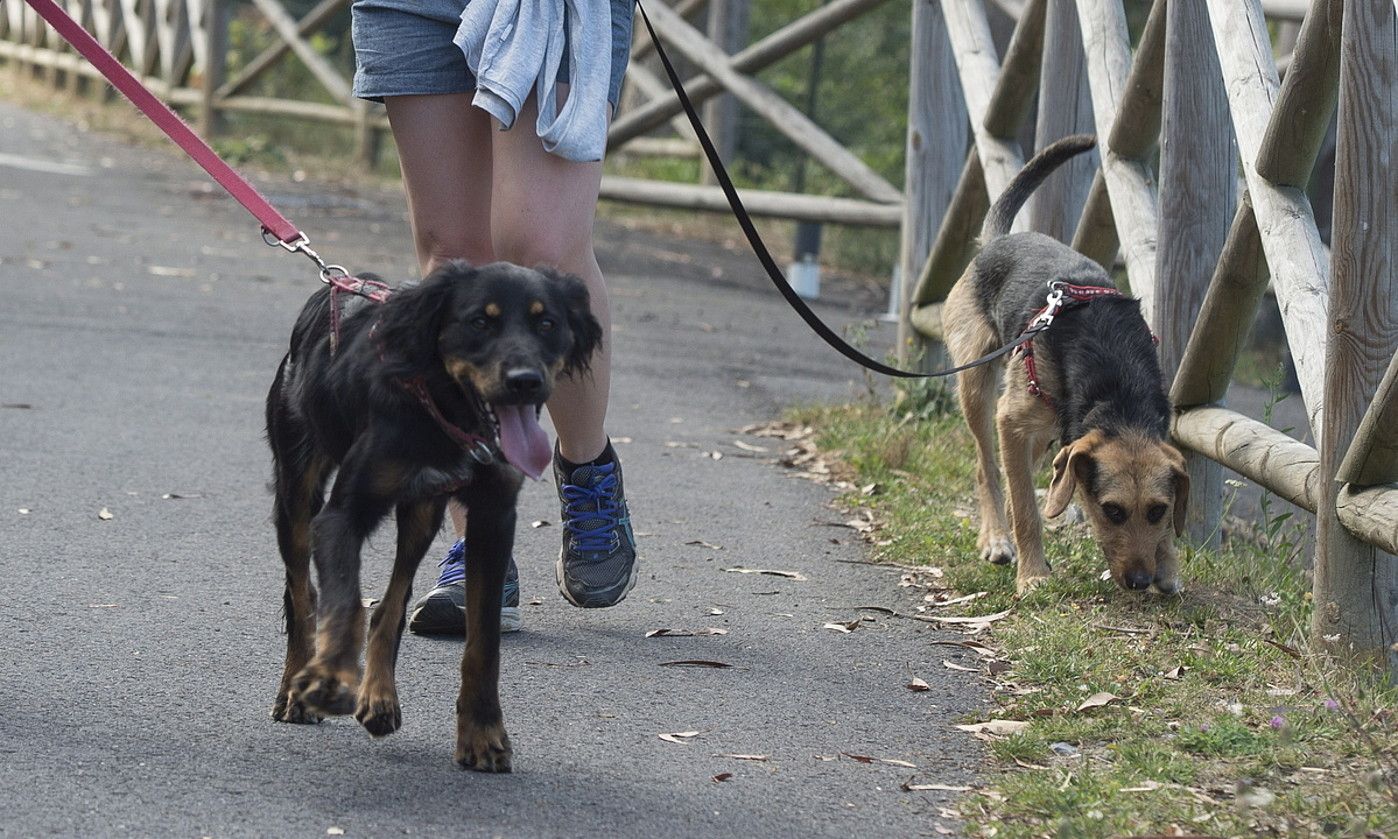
[(1185, 115)]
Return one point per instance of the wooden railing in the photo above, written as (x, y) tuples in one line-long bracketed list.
[(1200, 86)]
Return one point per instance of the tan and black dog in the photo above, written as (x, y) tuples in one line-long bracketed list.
[(432, 395), (1101, 396)]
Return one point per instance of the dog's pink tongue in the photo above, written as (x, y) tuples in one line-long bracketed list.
[(522, 439)]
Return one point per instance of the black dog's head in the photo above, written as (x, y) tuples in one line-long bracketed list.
[(502, 332)]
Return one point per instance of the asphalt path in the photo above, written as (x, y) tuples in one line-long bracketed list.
[(141, 320)]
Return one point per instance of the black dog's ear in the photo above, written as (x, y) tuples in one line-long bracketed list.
[(587, 332), (410, 321)]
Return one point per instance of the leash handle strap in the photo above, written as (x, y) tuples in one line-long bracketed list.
[(167, 120), (759, 248)]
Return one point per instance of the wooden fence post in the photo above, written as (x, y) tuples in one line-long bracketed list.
[(1065, 107), (727, 27), (215, 37), (936, 150), (1198, 178), (1356, 584)]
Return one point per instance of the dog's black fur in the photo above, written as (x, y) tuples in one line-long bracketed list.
[(495, 335), (1013, 282)]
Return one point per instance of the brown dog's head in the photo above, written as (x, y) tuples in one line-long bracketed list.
[(502, 332), (1134, 491)]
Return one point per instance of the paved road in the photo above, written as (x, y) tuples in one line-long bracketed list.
[(141, 320)]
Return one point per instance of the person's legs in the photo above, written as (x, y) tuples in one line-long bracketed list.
[(444, 151), (542, 210)]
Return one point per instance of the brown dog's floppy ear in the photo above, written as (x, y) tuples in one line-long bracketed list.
[(1181, 477), (410, 321), (586, 330), (1070, 463)]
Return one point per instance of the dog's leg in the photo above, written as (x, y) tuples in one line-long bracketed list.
[(330, 682), (1020, 449), (481, 741), (968, 338), (378, 710), (976, 389), (300, 486), (1167, 566)]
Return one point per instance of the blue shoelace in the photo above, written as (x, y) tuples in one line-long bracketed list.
[(453, 565), (591, 512)]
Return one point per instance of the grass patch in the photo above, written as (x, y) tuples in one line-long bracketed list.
[(1225, 723)]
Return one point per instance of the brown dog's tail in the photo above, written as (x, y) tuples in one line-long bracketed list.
[(1000, 218)]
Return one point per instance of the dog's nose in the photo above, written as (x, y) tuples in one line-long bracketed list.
[(1139, 580), (524, 382)]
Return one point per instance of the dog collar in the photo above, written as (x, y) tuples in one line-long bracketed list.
[(1061, 295), (481, 449)]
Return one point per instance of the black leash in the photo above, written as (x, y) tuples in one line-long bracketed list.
[(759, 248)]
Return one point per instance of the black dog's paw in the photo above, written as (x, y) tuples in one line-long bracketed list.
[(483, 748), (293, 711), (325, 692), (379, 712)]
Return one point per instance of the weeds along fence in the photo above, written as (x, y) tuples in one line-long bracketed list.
[(1198, 189)]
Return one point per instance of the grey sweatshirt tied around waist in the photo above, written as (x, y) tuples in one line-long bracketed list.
[(515, 47)]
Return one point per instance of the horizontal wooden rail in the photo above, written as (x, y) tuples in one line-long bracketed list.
[(1254, 450), (1370, 514), (759, 203)]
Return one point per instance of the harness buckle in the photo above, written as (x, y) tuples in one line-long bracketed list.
[(481, 452)]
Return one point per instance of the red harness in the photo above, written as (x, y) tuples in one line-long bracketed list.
[(1061, 295)]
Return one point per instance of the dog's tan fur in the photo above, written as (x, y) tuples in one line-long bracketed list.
[(1135, 473)]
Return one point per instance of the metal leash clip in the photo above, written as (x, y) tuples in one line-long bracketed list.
[(1054, 302), (328, 272)]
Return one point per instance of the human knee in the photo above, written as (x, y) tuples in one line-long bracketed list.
[(555, 248), (436, 247)]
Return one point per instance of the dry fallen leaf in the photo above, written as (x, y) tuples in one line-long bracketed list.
[(860, 758), (968, 619), (685, 633), (1176, 673), (334, 831), (1097, 700), (951, 665), (104, 514), (695, 662), (539, 523), (715, 612), (748, 447), (893, 762), (790, 575), (722, 776), (918, 685), (680, 737), (701, 543), (844, 627), (998, 727), (909, 786), (743, 757)]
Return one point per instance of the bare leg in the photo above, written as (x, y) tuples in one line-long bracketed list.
[(542, 211), (445, 156)]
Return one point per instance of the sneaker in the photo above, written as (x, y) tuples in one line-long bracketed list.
[(443, 610), (597, 564)]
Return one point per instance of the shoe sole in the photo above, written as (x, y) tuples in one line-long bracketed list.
[(563, 589), (432, 619)]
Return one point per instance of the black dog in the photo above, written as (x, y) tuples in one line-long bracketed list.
[(432, 395)]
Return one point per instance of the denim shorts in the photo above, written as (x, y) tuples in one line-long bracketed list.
[(404, 47)]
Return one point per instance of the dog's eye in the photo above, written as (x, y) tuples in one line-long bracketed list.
[(480, 322), (1114, 513), (546, 324), (1156, 513)]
